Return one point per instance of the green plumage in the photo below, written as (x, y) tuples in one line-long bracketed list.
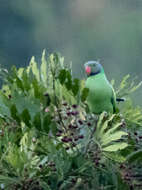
[(101, 95)]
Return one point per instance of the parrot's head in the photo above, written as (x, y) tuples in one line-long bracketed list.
[(93, 68)]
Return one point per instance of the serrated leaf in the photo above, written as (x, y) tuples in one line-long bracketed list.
[(43, 68), (105, 125), (115, 157), (113, 137), (36, 88), (115, 147), (110, 131), (19, 84), (20, 72), (123, 83), (136, 87), (26, 81), (101, 117), (34, 68)]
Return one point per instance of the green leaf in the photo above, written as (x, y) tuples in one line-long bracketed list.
[(34, 68), (113, 129), (43, 68), (19, 84), (26, 81), (106, 123), (53, 127), (68, 82), (124, 81), (36, 88), (107, 134), (37, 121), (4, 106), (113, 137), (135, 156), (62, 76), (115, 147), (25, 102), (14, 113), (115, 157), (46, 123), (26, 117), (84, 94), (75, 86)]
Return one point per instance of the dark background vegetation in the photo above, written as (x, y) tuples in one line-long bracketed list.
[(80, 30)]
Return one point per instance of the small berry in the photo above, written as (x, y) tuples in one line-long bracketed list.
[(97, 162), (70, 126), (64, 104), (75, 126), (9, 96), (70, 139), (30, 181), (74, 113), (37, 183), (81, 136), (40, 166), (135, 133), (74, 106), (122, 166), (58, 134), (73, 180), (46, 94), (65, 139), (80, 122), (67, 148), (68, 113), (60, 131), (89, 124), (76, 138), (73, 144)]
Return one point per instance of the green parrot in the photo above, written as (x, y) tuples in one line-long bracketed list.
[(101, 95)]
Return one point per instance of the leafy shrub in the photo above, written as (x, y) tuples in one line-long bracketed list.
[(50, 140)]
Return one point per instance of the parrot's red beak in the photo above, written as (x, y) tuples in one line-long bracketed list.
[(88, 70)]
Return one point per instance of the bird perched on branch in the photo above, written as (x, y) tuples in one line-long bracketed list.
[(101, 95)]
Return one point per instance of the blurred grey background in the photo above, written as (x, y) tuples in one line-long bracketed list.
[(80, 30)]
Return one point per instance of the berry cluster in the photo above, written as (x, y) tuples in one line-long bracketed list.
[(28, 184), (69, 125)]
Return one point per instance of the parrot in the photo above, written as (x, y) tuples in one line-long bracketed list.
[(101, 96)]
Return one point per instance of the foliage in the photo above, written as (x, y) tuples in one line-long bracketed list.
[(50, 140)]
